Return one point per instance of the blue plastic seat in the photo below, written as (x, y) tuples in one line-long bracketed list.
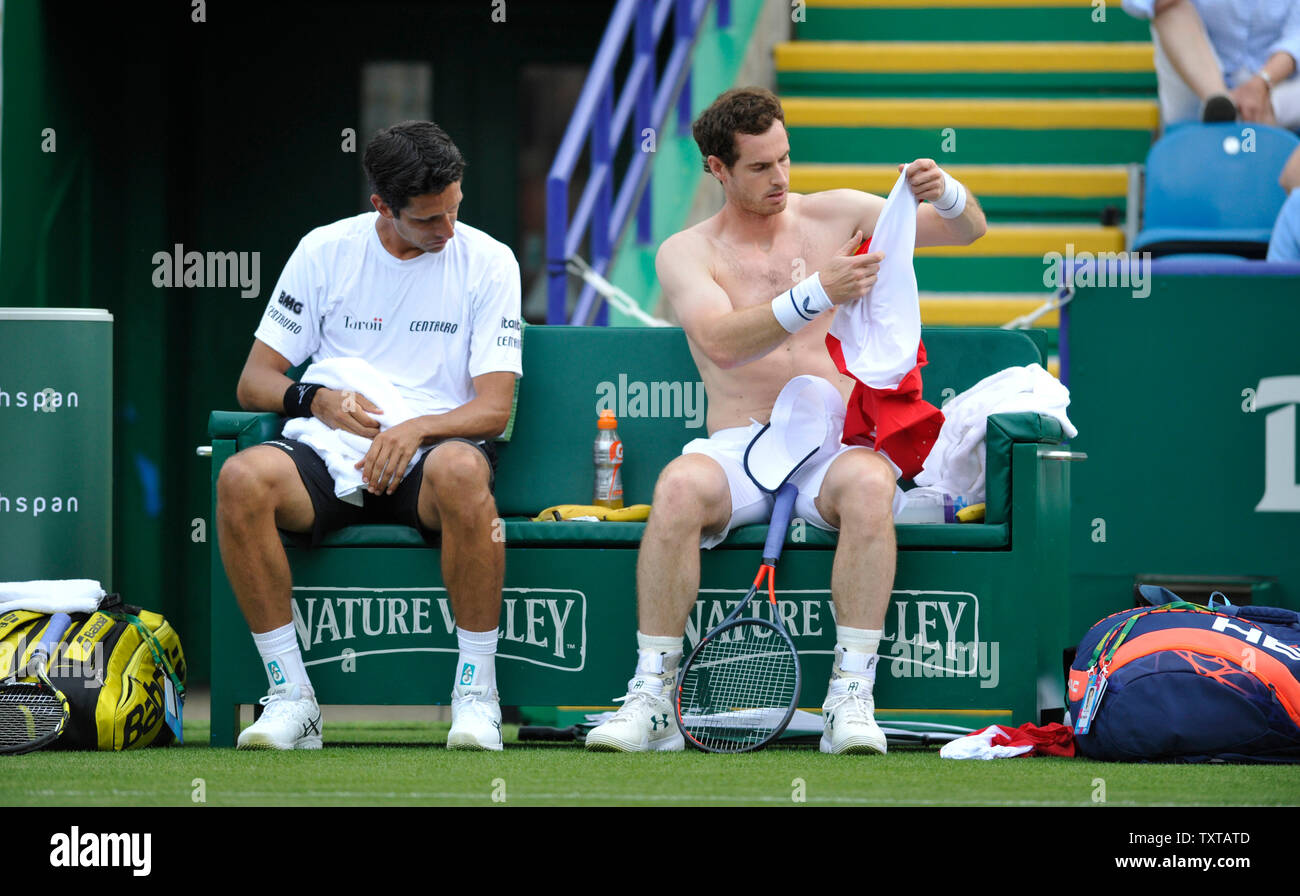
[(1212, 188)]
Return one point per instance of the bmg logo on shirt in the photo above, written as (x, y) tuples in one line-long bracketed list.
[(290, 302)]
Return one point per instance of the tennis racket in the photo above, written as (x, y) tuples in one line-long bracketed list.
[(33, 713), (739, 689)]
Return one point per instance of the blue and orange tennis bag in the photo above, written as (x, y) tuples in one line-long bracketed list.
[(1177, 681)]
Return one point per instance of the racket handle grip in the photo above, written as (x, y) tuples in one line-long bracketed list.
[(782, 510), (58, 624)]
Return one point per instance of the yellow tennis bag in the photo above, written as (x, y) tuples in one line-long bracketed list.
[(121, 668)]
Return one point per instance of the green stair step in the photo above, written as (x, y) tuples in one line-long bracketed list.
[(885, 20), (923, 67)]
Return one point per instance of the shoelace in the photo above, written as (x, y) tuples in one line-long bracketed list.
[(276, 705), (857, 712), (478, 704), (631, 700)]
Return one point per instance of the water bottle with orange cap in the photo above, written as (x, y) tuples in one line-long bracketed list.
[(609, 462)]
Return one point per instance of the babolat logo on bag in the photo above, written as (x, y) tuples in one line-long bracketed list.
[(1179, 681)]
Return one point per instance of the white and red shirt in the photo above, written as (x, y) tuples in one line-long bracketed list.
[(430, 324)]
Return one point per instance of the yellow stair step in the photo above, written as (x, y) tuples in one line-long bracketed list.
[(1015, 114), (939, 309), (1007, 240), (1082, 181), (925, 57)]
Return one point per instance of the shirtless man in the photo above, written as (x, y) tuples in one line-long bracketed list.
[(729, 281)]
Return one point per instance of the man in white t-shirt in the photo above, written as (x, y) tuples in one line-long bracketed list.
[(432, 305)]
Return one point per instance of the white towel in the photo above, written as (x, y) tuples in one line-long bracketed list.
[(879, 333), (342, 450), (956, 464), (51, 596)]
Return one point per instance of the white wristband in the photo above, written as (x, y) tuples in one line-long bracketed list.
[(795, 308), (953, 201)]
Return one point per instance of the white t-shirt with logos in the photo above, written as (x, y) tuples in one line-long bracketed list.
[(430, 324)]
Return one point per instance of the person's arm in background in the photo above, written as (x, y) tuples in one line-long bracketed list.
[(1290, 177), (1185, 43), (1283, 54)]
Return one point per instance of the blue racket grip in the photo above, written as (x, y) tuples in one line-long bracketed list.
[(781, 513), (58, 624)]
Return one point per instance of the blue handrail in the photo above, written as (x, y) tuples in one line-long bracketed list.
[(601, 122)]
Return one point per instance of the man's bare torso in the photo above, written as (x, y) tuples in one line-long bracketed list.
[(752, 274)]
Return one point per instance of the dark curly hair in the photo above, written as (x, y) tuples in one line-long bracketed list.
[(742, 110), (410, 159)]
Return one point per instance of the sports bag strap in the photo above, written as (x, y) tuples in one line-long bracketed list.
[(1107, 646), (159, 655)]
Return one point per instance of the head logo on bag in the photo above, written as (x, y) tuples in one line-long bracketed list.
[(1178, 681)]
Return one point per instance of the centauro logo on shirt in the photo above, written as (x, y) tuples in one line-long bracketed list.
[(433, 326), (351, 323)]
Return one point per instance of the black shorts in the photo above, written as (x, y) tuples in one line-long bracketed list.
[(332, 513)]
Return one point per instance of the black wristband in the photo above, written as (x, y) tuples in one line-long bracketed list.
[(297, 399)]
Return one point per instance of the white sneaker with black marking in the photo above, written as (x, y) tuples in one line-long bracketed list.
[(849, 718), (289, 721), (475, 719), (646, 722)]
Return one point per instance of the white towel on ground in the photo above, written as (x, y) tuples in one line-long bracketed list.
[(956, 464), (342, 450), (51, 596)]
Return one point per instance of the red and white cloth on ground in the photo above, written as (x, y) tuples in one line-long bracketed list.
[(998, 742), (876, 340)]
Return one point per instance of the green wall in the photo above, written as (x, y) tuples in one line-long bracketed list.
[(222, 135)]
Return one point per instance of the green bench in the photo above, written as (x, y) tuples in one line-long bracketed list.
[(974, 632)]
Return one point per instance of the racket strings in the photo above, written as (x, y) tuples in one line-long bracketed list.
[(739, 687), (27, 713)]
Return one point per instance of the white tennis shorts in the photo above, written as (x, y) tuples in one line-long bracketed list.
[(749, 503)]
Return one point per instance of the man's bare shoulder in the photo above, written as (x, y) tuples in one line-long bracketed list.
[(697, 243), (830, 205)]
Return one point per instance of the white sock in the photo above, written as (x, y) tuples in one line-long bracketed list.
[(477, 664), (856, 651), (657, 654), (282, 658)]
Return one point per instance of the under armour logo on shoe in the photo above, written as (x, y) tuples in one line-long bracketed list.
[(659, 721)]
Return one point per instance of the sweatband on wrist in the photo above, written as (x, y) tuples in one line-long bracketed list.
[(795, 308), (297, 399), (953, 201)]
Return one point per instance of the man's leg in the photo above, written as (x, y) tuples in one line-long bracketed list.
[(856, 496), (456, 499), (260, 491), (692, 498)]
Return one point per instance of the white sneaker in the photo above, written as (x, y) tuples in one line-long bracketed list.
[(646, 722), (290, 721), (475, 719), (850, 726)]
